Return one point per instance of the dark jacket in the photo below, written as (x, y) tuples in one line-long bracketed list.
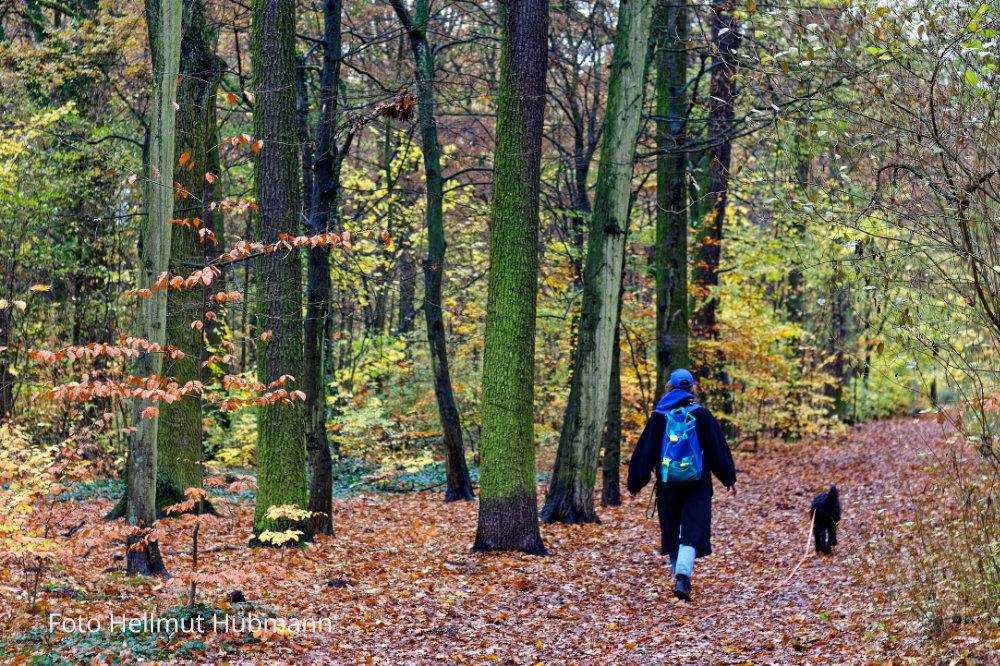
[(685, 508)]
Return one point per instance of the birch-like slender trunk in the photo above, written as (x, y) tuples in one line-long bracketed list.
[(163, 18)]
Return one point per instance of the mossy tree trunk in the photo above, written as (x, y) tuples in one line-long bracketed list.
[(571, 493), (324, 203), (180, 437), (281, 449), (459, 486), (164, 24), (508, 509), (672, 349)]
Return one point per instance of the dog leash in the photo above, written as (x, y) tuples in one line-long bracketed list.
[(805, 554)]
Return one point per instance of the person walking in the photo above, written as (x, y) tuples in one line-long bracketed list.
[(682, 428)]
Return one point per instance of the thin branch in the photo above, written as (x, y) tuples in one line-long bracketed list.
[(458, 173), (77, 139)]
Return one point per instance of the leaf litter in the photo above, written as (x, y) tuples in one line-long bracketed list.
[(398, 582)]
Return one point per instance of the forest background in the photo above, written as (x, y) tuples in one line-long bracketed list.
[(807, 219)]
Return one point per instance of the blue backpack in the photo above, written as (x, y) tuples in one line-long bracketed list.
[(681, 459)]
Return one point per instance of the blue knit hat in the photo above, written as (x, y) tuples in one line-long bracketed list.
[(681, 378)]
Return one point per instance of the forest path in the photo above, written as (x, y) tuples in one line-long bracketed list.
[(604, 588), (398, 583)]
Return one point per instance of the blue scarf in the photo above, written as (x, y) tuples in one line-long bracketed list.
[(672, 399)]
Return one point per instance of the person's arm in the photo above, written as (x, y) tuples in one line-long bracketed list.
[(716, 450), (646, 453)]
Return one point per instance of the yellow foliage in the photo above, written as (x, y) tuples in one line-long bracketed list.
[(280, 538)]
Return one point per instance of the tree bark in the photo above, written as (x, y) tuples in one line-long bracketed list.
[(281, 450), (6, 379), (722, 92), (8, 275), (407, 286), (302, 125), (840, 311), (179, 445), (672, 349), (325, 192), (610, 465), (571, 493), (459, 484), (508, 507), (163, 17), (795, 282)]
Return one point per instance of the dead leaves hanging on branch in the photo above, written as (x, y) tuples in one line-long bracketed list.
[(402, 107)]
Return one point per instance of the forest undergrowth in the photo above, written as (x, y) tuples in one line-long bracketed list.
[(398, 583)]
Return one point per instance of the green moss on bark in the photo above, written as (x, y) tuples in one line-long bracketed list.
[(281, 450), (507, 509)]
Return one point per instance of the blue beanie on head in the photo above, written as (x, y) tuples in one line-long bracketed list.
[(681, 378)]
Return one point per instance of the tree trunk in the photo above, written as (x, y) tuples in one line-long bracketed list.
[(407, 287), (672, 350), (583, 154), (571, 493), (179, 442), (508, 507), (9, 251), (795, 282), (325, 195), (722, 93), (382, 272), (6, 379), (281, 450), (163, 17), (459, 483), (839, 330), (610, 468), (321, 203), (302, 126)]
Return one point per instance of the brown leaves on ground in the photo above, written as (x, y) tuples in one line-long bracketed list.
[(399, 584)]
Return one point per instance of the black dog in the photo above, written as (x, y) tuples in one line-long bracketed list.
[(826, 506)]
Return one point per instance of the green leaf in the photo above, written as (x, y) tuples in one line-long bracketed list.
[(971, 77)]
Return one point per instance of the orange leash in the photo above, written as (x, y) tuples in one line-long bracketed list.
[(805, 553)]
